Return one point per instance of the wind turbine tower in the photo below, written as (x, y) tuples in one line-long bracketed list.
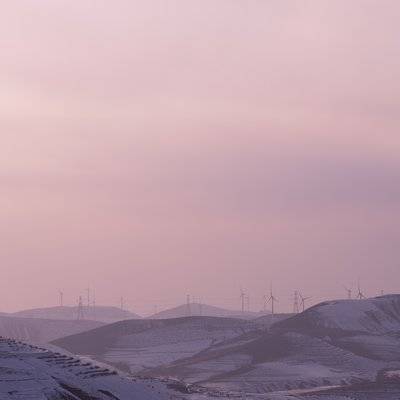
[(296, 308), (349, 292), (360, 295), (243, 297), (88, 297), (188, 308), (303, 301), (61, 294), (80, 309), (94, 304), (271, 299), (200, 307)]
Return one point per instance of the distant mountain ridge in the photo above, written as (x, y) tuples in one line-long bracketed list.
[(104, 314), (205, 310), (39, 331)]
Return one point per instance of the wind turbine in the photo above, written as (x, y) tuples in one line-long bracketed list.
[(188, 307), (61, 294), (303, 301), (271, 299), (265, 302), (349, 292), (360, 295), (80, 309), (94, 303), (243, 297), (248, 303), (88, 296), (296, 302)]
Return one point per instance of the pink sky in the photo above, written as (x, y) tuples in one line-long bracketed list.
[(156, 148)]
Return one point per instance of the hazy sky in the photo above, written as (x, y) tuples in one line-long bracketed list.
[(156, 148)]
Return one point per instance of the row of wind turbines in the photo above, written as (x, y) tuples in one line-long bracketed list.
[(299, 301), (360, 294)]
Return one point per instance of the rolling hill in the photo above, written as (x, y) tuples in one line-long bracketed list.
[(197, 309), (35, 330), (144, 344), (29, 372), (341, 344), (333, 343), (104, 314), (379, 315)]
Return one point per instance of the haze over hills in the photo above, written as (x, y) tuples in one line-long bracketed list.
[(198, 309), (36, 330), (106, 314), (159, 154)]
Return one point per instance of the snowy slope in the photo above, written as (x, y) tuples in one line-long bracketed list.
[(196, 309), (338, 343), (268, 320), (334, 343), (30, 373), (144, 344), (379, 315), (97, 313), (273, 362), (37, 331)]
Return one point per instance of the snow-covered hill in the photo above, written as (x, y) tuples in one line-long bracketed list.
[(379, 315), (144, 344), (31, 373), (333, 343), (35, 330), (98, 313), (197, 309), (268, 320)]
